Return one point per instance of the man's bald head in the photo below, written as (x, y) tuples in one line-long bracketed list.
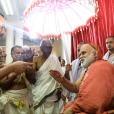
[(87, 47), (88, 55), (79, 46), (46, 42), (25, 47), (46, 47)]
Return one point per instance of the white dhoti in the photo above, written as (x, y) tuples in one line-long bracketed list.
[(49, 107), (44, 85), (14, 96)]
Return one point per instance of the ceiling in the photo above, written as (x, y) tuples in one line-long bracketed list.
[(15, 21), (18, 7)]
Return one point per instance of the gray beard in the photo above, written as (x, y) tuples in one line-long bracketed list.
[(88, 61)]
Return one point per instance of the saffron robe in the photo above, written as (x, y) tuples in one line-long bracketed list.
[(96, 90)]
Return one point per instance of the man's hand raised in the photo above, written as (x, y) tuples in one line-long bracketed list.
[(57, 76), (68, 67)]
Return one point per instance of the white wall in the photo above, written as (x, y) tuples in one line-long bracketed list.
[(58, 48)]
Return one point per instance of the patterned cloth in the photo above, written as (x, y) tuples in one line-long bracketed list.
[(18, 104), (17, 98)]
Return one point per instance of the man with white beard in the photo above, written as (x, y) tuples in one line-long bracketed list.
[(95, 87), (85, 62)]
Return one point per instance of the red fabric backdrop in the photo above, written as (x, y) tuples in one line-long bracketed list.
[(97, 31)]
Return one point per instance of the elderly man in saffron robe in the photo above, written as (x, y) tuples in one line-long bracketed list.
[(96, 85)]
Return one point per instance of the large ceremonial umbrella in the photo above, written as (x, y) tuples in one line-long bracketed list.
[(50, 18)]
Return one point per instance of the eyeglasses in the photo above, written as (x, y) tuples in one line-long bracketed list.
[(3, 56), (47, 47), (20, 53)]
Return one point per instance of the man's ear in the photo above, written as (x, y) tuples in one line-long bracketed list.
[(95, 53)]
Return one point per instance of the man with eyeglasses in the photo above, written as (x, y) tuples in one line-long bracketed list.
[(45, 96), (17, 53), (2, 31)]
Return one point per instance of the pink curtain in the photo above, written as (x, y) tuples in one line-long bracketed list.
[(97, 31)]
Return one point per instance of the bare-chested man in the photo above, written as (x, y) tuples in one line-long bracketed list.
[(17, 55), (45, 84), (16, 87)]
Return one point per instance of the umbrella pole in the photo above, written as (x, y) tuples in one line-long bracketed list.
[(66, 41), (63, 35)]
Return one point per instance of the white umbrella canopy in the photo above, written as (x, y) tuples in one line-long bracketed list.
[(50, 18)]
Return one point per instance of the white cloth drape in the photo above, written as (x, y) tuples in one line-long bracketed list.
[(109, 58), (44, 85)]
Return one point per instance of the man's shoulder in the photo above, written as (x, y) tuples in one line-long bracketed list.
[(36, 58), (74, 61), (106, 55), (101, 64), (100, 69), (54, 56)]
